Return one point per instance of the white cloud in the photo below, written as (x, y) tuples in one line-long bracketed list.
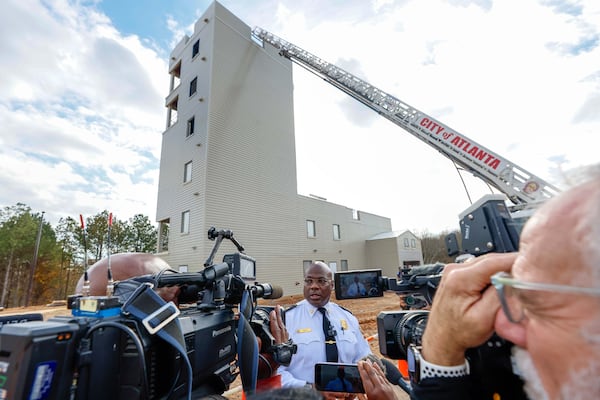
[(82, 112), (82, 105), (495, 71)]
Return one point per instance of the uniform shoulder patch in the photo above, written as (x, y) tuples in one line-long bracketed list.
[(288, 310), (345, 309)]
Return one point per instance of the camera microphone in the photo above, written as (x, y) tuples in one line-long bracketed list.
[(267, 291), (201, 279)]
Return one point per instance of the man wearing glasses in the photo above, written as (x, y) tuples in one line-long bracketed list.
[(307, 326), (545, 299)]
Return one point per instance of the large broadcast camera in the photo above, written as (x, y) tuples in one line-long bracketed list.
[(486, 227), (134, 345)]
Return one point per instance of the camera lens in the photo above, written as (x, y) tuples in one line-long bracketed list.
[(409, 330)]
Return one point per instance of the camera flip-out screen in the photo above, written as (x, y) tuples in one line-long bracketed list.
[(241, 264), (358, 284)]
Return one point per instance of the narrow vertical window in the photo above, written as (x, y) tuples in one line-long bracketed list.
[(193, 86), (196, 48), (336, 232), (306, 264), (333, 266), (344, 265), (413, 243), (187, 172), (185, 222), (355, 215), (311, 231), (190, 126), (406, 242)]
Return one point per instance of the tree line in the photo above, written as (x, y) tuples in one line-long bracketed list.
[(55, 256), (40, 263)]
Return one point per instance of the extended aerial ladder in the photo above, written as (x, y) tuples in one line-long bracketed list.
[(520, 186)]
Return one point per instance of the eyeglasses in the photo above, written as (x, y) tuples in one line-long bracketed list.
[(505, 285), (321, 282)]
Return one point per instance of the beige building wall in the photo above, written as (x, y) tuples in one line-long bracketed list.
[(243, 161), (391, 251), (354, 228)]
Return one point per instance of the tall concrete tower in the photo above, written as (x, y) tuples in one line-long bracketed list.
[(229, 161)]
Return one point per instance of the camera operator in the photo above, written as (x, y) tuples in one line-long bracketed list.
[(548, 308), (124, 266)]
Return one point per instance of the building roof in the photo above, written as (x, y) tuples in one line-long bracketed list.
[(389, 235)]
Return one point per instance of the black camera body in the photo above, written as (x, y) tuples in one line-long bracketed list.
[(96, 358), (399, 329), (486, 227), (134, 345), (280, 352)]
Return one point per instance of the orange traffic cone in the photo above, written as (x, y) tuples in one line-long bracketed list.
[(403, 367)]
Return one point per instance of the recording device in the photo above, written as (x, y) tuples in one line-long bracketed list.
[(261, 325), (134, 345), (358, 284), (338, 377), (486, 227), (416, 285)]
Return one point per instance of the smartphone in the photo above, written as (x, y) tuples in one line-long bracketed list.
[(336, 377)]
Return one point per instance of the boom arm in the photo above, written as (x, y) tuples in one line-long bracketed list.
[(520, 186)]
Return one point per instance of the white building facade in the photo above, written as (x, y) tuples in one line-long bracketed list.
[(228, 161)]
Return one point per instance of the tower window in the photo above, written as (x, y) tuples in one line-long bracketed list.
[(185, 222), (196, 48), (190, 127), (193, 86), (311, 231), (187, 172)]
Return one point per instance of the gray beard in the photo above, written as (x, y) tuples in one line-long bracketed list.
[(523, 366), (582, 384)]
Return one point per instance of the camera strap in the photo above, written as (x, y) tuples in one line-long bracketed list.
[(247, 347), (159, 318)]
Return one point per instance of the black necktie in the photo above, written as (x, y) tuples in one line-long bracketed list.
[(330, 345)]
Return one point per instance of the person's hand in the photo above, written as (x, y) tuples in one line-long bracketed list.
[(339, 396), (464, 309), (376, 385), (277, 327), (267, 366)]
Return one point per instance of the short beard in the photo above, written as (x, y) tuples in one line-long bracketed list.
[(582, 384), (526, 370)]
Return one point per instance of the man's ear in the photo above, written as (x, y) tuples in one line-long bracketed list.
[(515, 333)]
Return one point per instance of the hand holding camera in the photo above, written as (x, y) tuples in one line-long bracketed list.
[(464, 294)]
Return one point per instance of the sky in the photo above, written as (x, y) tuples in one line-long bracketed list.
[(82, 88)]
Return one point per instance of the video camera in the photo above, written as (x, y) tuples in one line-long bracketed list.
[(486, 227), (134, 345)]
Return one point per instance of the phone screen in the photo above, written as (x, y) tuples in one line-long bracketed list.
[(335, 377)]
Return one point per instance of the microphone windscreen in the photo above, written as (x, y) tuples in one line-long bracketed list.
[(276, 292)]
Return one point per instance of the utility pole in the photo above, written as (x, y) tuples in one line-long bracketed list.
[(35, 258)]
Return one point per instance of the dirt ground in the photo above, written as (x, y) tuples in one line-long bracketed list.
[(366, 310)]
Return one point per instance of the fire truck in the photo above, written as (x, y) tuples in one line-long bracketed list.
[(521, 187), (525, 190)]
